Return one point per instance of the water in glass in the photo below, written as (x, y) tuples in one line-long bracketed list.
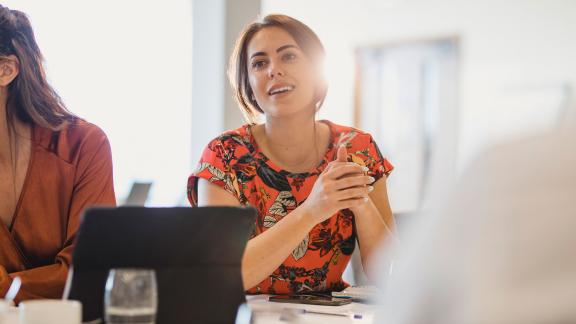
[(131, 296)]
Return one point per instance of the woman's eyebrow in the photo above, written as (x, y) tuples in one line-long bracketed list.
[(281, 48), (258, 54)]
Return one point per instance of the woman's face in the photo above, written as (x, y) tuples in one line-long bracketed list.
[(281, 75)]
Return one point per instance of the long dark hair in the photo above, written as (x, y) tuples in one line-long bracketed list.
[(30, 98), (238, 68)]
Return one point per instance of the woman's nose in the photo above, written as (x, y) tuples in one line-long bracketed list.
[(274, 71)]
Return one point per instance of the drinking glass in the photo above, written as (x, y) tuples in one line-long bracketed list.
[(131, 296)]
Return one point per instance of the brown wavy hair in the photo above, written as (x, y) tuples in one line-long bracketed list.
[(30, 98), (306, 39)]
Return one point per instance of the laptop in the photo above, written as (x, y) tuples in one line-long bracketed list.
[(195, 252), (138, 194)]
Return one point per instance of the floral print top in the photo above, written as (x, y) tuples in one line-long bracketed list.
[(234, 162)]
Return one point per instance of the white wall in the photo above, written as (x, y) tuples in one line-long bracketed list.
[(209, 77), (217, 24), (513, 53)]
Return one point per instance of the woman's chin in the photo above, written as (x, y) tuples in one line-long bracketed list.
[(288, 110)]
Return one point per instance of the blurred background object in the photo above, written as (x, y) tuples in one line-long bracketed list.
[(498, 247), (138, 194)]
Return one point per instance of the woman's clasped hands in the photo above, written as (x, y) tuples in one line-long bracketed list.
[(342, 185)]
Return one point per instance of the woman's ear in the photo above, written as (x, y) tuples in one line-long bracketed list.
[(9, 69)]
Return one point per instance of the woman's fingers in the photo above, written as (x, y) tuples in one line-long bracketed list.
[(352, 193), (341, 185), (351, 203), (353, 181), (340, 169), (342, 154)]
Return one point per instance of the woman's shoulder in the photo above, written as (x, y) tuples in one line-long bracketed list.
[(348, 135), (82, 131), (234, 138), (362, 149), (72, 139)]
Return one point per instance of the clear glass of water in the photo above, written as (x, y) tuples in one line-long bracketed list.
[(131, 296)]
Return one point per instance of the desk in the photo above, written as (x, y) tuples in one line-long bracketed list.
[(265, 312)]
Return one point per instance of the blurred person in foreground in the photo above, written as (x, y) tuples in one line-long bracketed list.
[(53, 165), (501, 248)]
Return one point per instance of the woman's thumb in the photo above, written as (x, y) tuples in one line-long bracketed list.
[(342, 154)]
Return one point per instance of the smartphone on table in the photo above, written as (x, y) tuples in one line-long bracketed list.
[(310, 299)]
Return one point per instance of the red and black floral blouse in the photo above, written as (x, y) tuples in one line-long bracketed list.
[(234, 162)]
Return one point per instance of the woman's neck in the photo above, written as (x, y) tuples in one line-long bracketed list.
[(295, 144), (12, 132), (4, 129)]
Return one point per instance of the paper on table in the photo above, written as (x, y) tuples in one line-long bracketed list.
[(269, 312), (361, 293)]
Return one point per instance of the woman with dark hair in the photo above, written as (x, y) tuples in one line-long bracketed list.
[(317, 186), (52, 166)]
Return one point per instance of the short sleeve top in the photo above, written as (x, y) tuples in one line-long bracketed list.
[(234, 162)]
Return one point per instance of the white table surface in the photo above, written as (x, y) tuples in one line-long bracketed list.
[(9, 315), (266, 312)]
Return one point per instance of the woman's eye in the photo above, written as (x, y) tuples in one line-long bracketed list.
[(289, 57), (258, 64)]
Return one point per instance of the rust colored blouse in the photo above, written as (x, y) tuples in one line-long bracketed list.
[(68, 171), (234, 162)]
